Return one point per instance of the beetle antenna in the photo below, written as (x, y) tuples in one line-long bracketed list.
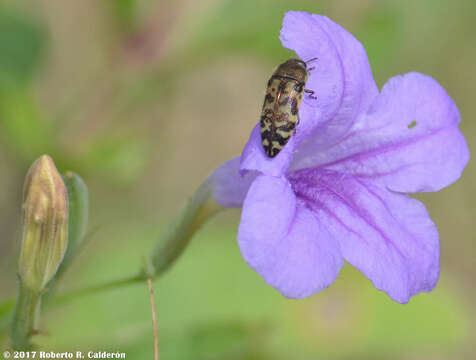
[(311, 60)]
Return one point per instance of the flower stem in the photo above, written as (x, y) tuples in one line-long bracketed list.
[(154, 319), (62, 299), (25, 318), (170, 246), (168, 249)]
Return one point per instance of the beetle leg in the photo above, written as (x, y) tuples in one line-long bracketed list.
[(311, 94)]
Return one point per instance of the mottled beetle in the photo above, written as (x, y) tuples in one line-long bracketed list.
[(279, 116)]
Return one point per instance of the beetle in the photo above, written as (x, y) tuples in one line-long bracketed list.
[(279, 115)]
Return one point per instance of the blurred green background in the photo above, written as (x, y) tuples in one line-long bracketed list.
[(143, 99)]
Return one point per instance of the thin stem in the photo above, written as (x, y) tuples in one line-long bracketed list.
[(172, 244), (97, 289), (25, 318), (154, 319), (169, 247), (65, 298), (72, 295)]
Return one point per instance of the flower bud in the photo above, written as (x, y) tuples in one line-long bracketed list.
[(45, 224)]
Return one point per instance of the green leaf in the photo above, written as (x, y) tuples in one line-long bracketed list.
[(78, 201)]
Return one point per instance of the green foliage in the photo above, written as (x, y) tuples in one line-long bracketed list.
[(381, 33), (439, 317), (22, 42), (353, 318), (247, 26), (225, 340), (120, 158), (124, 12), (23, 128), (6, 309), (78, 202)]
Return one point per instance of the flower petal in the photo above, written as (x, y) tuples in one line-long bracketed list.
[(284, 242), (409, 139), (342, 81), (254, 157), (228, 185), (388, 236)]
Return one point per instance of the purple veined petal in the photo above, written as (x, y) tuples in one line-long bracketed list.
[(228, 185), (342, 81), (388, 236), (408, 141), (306, 36), (284, 242)]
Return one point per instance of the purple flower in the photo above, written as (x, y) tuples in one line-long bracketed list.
[(337, 191)]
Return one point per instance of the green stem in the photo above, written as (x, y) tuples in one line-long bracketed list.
[(62, 299), (172, 244), (72, 295), (168, 249), (25, 318)]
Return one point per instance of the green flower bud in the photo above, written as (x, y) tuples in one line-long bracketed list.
[(45, 224)]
